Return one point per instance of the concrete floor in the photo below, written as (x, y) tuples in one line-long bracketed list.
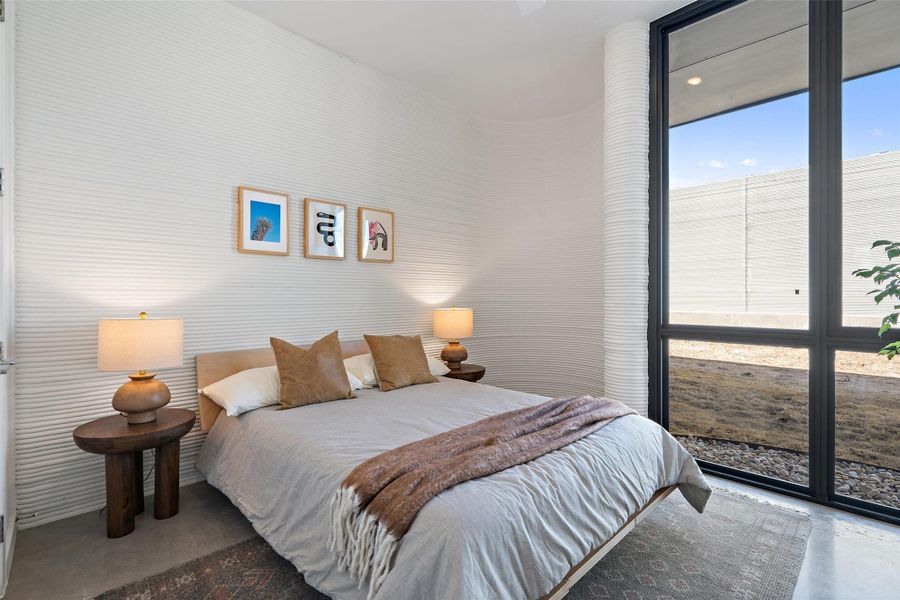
[(73, 558), (848, 557)]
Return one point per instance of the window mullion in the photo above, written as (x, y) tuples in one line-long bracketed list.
[(825, 20)]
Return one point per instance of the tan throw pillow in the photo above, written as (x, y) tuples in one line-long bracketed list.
[(311, 375), (399, 361)]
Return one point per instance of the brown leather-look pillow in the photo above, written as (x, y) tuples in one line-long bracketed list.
[(399, 361), (311, 375)]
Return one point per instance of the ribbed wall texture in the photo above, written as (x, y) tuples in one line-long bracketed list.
[(738, 250), (135, 123), (539, 320), (626, 213), (871, 187)]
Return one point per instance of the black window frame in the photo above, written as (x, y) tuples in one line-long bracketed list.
[(826, 333)]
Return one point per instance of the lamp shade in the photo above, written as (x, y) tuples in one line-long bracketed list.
[(136, 344), (453, 323)]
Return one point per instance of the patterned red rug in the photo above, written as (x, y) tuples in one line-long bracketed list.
[(250, 570), (738, 548)]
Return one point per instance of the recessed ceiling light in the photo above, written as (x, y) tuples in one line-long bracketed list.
[(695, 81)]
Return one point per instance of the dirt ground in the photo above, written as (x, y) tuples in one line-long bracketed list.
[(759, 395)]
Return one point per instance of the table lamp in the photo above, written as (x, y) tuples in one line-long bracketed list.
[(137, 345), (452, 324)]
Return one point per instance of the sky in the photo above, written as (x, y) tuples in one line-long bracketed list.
[(774, 136)]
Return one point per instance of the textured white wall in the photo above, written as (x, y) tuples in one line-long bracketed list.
[(626, 137), (136, 121), (738, 249), (708, 233), (539, 320)]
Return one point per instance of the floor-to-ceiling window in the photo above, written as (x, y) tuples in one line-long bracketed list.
[(866, 386), (767, 193)]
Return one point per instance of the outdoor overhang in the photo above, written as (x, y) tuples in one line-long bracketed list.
[(758, 51)]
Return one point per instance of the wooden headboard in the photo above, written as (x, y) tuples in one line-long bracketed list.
[(218, 365)]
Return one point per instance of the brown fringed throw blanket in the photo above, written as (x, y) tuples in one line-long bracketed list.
[(377, 503)]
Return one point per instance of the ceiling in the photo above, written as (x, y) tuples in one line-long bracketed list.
[(497, 60), (757, 51)]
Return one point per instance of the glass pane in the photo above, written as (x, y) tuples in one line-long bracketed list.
[(742, 406), (738, 168), (871, 149), (867, 427)]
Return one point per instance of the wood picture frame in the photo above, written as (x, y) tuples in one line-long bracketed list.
[(376, 240), (325, 234), (264, 221)]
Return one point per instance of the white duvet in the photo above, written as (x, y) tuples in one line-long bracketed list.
[(512, 535)]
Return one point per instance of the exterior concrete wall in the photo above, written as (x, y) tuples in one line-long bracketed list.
[(738, 249)]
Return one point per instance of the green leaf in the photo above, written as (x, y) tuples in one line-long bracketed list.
[(889, 277), (890, 350)]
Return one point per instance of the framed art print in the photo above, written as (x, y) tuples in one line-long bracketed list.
[(263, 226), (376, 235), (325, 225)]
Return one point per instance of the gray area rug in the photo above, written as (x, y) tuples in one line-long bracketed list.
[(739, 548)]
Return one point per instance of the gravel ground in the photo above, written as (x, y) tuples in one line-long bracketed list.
[(856, 480)]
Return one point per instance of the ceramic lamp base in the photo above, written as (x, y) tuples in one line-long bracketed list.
[(139, 399), (454, 354)]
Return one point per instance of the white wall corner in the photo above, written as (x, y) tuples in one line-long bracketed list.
[(626, 136)]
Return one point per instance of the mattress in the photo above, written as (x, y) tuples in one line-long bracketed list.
[(514, 534)]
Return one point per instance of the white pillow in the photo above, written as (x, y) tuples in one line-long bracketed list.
[(254, 388), (362, 367), (437, 367), (355, 383), (246, 390)]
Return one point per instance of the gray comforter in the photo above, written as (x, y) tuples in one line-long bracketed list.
[(514, 534)]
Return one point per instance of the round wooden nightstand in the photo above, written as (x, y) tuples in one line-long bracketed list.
[(123, 445), (467, 372)]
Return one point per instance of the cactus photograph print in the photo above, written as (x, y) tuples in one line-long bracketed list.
[(376, 235), (325, 225), (263, 226)]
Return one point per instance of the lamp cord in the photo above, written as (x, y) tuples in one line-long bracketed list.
[(153, 466)]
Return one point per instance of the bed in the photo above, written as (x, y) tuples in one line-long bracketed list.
[(530, 531)]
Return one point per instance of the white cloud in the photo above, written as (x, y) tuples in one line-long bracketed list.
[(750, 162), (718, 164), (877, 133), (701, 164)]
